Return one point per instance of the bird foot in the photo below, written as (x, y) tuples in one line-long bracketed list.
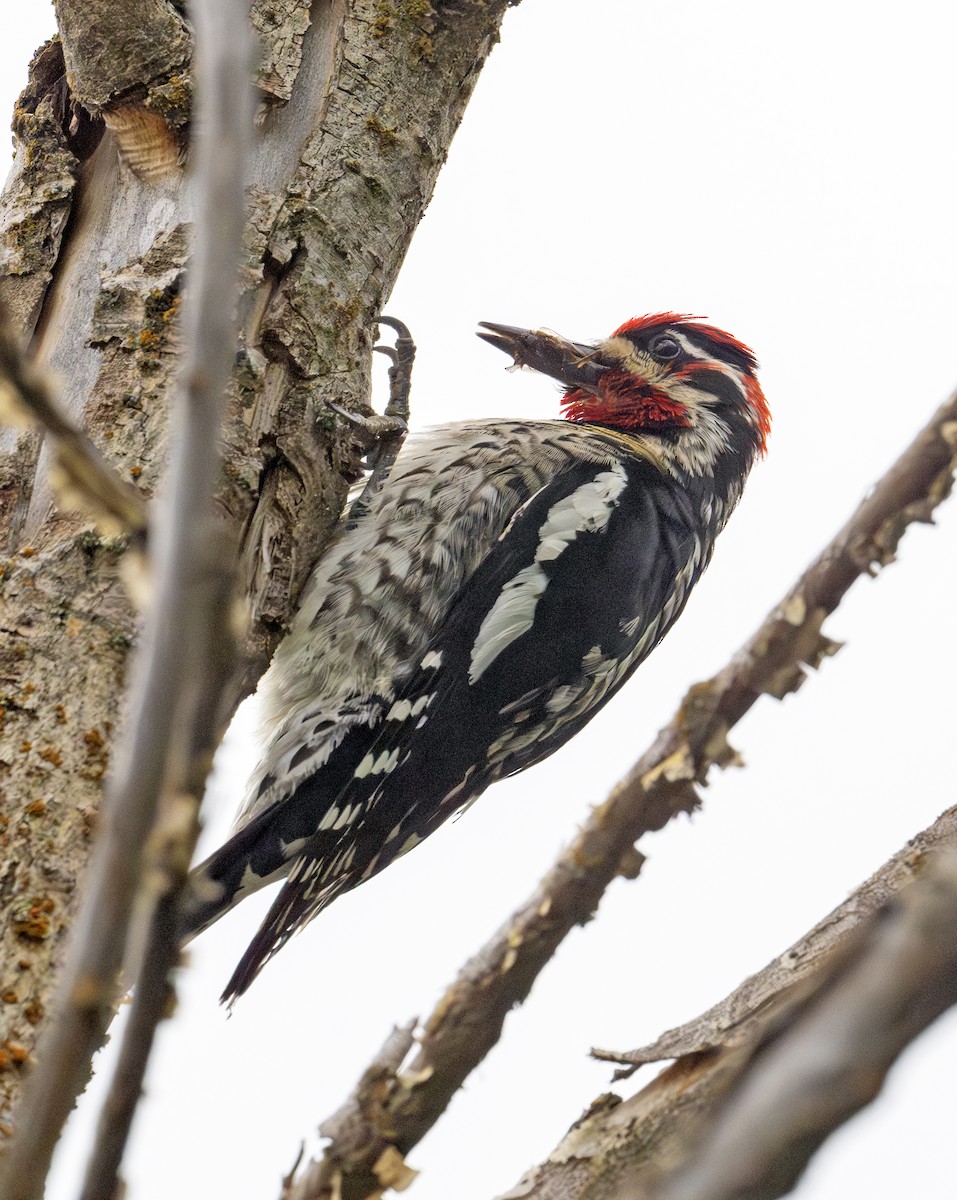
[(400, 373), (386, 431)]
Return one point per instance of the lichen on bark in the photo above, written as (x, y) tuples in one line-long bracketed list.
[(358, 113)]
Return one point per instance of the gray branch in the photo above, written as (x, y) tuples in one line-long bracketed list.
[(625, 1148), (468, 1022), (87, 480), (174, 658), (811, 1073)]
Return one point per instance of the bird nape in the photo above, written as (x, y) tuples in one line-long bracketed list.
[(494, 592)]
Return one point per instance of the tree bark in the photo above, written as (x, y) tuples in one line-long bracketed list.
[(761, 1079), (359, 102)]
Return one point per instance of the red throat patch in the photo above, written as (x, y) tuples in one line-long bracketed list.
[(625, 402)]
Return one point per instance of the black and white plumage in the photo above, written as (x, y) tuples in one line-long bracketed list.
[(496, 592)]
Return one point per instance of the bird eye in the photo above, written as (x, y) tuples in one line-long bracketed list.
[(664, 347)]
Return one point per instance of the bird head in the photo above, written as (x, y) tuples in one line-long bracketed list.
[(687, 388)]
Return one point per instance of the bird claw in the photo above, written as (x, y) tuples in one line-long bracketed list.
[(374, 426), (385, 430), (400, 373)]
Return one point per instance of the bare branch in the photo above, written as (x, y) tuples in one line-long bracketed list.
[(360, 1114), (716, 1027), (173, 660), (469, 1018), (155, 950), (25, 392), (625, 1148), (815, 1068)]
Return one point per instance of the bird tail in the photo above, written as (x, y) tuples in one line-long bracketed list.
[(293, 909), (225, 878)]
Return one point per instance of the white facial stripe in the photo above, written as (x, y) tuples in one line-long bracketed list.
[(632, 359), (586, 510), (688, 347), (698, 447), (655, 373)]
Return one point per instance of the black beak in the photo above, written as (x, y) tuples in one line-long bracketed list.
[(570, 363)]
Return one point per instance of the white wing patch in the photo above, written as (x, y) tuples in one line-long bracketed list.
[(586, 510), (509, 617), (387, 761)]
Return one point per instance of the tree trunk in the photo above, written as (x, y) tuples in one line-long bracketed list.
[(359, 102)]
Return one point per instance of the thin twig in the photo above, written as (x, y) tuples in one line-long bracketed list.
[(154, 951), (87, 476), (172, 658), (469, 1018)]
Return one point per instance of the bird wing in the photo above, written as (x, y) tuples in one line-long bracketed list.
[(582, 582), (386, 584), (377, 599)]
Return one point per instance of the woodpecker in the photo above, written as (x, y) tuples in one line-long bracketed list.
[(484, 603)]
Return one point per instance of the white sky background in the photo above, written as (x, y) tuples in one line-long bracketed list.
[(787, 172)]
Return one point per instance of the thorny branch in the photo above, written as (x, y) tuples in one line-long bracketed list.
[(87, 480), (178, 654), (468, 1020)]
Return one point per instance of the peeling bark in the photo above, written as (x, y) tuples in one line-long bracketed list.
[(671, 1138), (358, 112)]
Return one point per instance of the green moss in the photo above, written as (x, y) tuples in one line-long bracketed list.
[(173, 100), (425, 49), (162, 304), (374, 185), (90, 542), (385, 15), (325, 423), (390, 16), (385, 134), (159, 311)]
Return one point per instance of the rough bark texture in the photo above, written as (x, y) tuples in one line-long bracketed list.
[(358, 112), (624, 1148)]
